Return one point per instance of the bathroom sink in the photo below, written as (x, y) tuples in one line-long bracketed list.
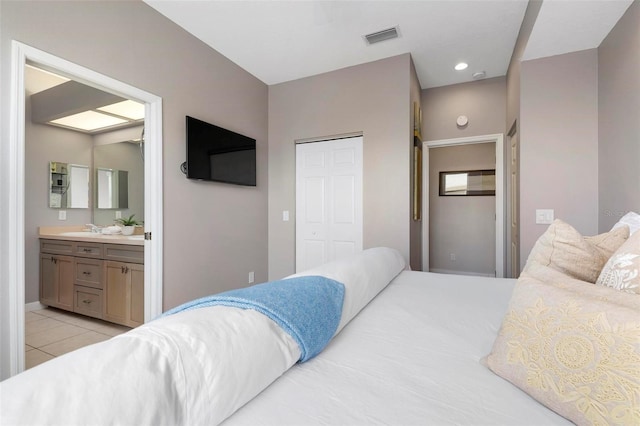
[(79, 234)]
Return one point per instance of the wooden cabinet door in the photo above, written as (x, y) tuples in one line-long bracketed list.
[(48, 280), (65, 281), (136, 306), (124, 293), (56, 281), (115, 292)]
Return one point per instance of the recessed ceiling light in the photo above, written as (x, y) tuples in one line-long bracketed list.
[(461, 66), (89, 121), (479, 75), (130, 109)]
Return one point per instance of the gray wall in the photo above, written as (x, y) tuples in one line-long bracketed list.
[(483, 102), (462, 226), (373, 98), (558, 143), (619, 119), (44, 144), (214, 234)]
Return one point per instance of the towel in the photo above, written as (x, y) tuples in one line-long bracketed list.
[(307, 308)]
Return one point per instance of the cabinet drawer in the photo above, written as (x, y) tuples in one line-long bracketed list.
[(56, 246), (87, 301), (87, 249), (88, 272), (124, 253)]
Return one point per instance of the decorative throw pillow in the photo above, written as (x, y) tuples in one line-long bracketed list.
[(631, 219), (574, 348), (562, 248), (622, 270)]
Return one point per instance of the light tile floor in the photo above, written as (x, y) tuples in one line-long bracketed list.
[(53, 332)]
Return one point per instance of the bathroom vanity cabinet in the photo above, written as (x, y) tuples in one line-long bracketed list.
[(100, 280)]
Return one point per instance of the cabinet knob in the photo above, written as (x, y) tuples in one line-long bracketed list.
[(87, 250), (86, 301), (86, 273)]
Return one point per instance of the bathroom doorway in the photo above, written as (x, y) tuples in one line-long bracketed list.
[(21, 56)]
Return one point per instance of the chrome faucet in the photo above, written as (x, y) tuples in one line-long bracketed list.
[(93, 228)]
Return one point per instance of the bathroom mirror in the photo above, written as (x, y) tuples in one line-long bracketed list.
[(468, 182), (113, 188), (68, 186), (118, 180)]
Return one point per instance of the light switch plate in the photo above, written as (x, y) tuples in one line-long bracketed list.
[(285, 215), (62, 215), (544, 216)]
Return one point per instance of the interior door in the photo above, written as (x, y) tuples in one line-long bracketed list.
[(328, 201)]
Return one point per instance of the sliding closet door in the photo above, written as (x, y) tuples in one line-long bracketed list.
[(328, 201)]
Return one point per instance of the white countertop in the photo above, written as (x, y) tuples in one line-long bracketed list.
[(77, 233)]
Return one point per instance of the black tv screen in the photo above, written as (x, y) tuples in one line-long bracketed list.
[(220, 155)]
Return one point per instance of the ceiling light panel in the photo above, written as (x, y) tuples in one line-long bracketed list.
[(130, 109), (89, 121)]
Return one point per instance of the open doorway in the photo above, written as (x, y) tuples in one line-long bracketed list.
[(15, 305), (497, 142)]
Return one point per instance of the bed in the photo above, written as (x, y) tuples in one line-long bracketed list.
[(406, 348)]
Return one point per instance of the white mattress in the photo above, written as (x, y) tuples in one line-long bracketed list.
[(411, 357)]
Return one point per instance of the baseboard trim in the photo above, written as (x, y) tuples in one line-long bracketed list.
[(33, 306), (448, 271)]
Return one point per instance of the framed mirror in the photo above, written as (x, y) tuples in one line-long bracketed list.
[(468, 182), (68, 186)]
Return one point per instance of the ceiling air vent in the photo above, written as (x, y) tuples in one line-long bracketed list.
[(383, 35)]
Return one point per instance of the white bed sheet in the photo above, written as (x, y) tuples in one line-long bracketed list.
[(411, 357)]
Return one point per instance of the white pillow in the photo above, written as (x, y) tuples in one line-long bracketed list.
[(364, 275), (631, 219)]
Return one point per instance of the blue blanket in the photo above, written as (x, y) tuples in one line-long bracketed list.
[(307, 308)]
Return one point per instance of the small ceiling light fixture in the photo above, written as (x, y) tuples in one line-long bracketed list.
[(461, 66), (479, 75), (378, 36)]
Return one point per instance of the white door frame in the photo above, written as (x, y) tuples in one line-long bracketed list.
[(359, 206), (15, 164), (498, 139)]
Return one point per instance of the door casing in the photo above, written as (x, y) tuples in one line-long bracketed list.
[(14, 277), (498, 139), (353, 232)]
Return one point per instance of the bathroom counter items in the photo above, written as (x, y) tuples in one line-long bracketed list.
[(78, 233)]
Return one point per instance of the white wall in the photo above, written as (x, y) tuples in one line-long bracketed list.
[(558, 143), (373, 98)]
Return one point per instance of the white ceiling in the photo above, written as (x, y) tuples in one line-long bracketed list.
[(279, 41)]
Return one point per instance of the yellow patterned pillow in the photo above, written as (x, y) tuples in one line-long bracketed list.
[(573, 347), (562, 248), (622, 270)]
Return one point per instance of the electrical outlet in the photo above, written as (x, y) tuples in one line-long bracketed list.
[(118, 214), (252, 277), (285, 215), (62, 215)]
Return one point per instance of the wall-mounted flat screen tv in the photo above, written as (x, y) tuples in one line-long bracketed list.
[(220, 155)]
